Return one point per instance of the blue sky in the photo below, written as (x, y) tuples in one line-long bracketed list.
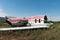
[(24, 8)]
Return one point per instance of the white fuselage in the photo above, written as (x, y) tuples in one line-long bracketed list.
[(36, 20)]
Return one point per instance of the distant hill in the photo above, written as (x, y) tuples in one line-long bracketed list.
[(2, 19)]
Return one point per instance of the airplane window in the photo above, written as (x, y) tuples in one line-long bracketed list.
[(35, 20), (39, 20)]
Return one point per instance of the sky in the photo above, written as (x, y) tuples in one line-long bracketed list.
[(26, 8)]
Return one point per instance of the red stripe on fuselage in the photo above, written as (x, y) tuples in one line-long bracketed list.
[(16, 19)]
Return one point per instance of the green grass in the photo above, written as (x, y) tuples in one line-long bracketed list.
[(33, 34), (4, 24)]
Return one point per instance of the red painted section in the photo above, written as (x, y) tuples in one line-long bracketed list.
[(36, 17), (21, 19), (16, 19)]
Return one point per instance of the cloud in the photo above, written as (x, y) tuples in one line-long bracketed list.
[(2, 13), (54, 18)]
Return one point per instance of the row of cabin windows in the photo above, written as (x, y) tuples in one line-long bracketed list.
[(40, 21), (37, 20)]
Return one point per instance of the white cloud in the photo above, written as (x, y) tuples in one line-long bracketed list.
[(54, 18), (2, 13)]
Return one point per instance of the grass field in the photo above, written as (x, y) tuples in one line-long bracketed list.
[(32, 34)]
